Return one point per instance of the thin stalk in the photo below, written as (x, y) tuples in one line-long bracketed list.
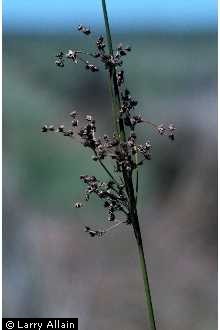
[(137, 176), (114, 226), (116, 103), (120, 132), (147, 288), (146, 281), (108, 172)]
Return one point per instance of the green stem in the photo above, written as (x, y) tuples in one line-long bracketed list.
[(127, 176), (149, 303), (137, 176), (116, 102), (107, 27), (109, 173), (147, 288)]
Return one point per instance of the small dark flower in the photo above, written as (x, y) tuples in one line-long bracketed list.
[(161, 129), (106, 137), (106, 204), (123, 52), (91, 67), (59, 63), (134, 103), (78, 205), (60, 55), (61, 128), (147, 155), (68, 133), (92, 233), (51, 128), (138, 119), (120, 47), (72, 55), (44, 128), (84, 29)]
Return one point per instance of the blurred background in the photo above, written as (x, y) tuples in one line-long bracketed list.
[(51, 268)]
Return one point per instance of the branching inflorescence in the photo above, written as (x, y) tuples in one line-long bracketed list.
[(124, 154), (119, 194)]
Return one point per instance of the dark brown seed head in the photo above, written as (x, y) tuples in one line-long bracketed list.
[(161, 129), (44, 128), (78, 205), (59, 63), (87, 31), (51, 128), (92, 233), (123, 52), (61, 128), (60, 55)]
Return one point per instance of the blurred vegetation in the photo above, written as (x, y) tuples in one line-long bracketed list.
[(35, 91), (174, 78)]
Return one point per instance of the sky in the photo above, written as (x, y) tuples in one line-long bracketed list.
[(58, 15)]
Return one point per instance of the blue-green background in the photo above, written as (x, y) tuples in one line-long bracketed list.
[(51, 268)]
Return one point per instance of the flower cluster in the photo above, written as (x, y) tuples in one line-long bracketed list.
[(121, 153), (127, 154), (78, 56)]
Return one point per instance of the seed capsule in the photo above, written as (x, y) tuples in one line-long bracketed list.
[(60, 55), (78, 205), (59, 63), (161, 129), (92, 233), (44, 128), (87, 228), (61, 128), (51, 128)]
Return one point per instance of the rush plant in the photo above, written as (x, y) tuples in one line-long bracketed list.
[(120, 193)]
